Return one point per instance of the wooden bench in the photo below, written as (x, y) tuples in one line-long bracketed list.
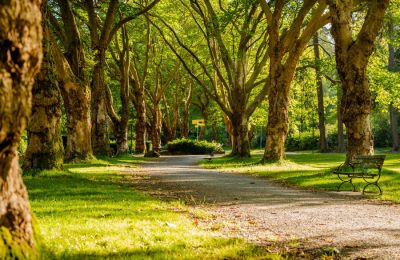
[(367, 167)]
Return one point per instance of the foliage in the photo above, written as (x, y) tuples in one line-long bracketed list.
[(188, 146), (91, 211)]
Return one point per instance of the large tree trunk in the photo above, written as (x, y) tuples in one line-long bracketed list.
[(73, 83), (121, 138), (240, 135), (351, 62), (45, 148), (76, 102), (323, 144), (140, 127), (100, 142), (278, 123), (20, 58)]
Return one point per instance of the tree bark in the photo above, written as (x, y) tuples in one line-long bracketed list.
[(394, 124), (155, 133), (20, 58), (278, 123), (45, 147), (351, 62), (186, 109), (140, 126), (73, 83), (240, 136), (323, 144), (100, 141), (284, 53), (341, 148), (214, 133), (120, 123)]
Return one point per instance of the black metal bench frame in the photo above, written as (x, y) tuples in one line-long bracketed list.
[(358, 168)]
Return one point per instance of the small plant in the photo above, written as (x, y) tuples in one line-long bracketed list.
[(187, 146)]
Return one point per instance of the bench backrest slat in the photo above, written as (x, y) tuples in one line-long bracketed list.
[(369, 161)]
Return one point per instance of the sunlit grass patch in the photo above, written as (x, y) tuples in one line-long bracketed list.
[(311, 170), (90, 211)]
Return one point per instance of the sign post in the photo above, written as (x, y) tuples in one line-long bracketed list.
[(198, 123)]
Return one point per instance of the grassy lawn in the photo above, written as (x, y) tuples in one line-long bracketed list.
[(311, 170), (90, 211)]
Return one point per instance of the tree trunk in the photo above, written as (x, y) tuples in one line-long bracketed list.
[(70, 69), (394, 124), (341, 148), (140, 127), (185, 124), (121, 138), (76, 99), (214, 133), (240, 136), (323, 144), (155, 133), (352, 54), (45, 147), (100, 142), (20, 58), (278, 122)]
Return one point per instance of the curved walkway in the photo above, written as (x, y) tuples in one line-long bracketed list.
[(260, 211)]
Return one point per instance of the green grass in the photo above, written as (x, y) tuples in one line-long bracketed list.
[(90, 211), (311, 171)]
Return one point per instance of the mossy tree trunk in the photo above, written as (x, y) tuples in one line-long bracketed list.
[(20, 58), (73, 83), (352, 54), (45, 148)]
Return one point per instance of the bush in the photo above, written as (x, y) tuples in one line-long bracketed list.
[(187, 146)]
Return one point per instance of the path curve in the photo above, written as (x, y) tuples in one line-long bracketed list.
[(262, 211)]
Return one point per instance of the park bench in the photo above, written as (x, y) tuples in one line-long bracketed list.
[(367, 167)]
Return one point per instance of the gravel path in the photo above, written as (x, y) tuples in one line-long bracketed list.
[(260, 211)]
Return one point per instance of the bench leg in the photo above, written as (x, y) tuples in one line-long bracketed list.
[(373, 183), (348, 181)]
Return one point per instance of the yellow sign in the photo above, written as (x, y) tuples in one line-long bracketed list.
[(198, 121), (201, 124)]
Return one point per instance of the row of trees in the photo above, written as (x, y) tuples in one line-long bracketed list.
[(105, 62)]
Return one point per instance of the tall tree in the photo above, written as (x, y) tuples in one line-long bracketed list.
[(187, 90), (70, 69), (20, 58), (323, 144), (101, 35), (352, 55), (138, 75), (286, 45), (45, 147), (120, 122), (237, 47)]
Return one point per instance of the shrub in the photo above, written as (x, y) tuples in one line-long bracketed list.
[(187, 146)]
